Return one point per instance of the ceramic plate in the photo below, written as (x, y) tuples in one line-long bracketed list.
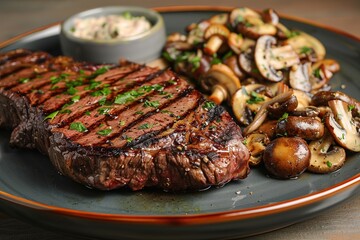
[(32, 190)]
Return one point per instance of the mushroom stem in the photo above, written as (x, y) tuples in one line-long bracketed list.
[(262, 114), (213, 45), (322, 160), (218, 95)]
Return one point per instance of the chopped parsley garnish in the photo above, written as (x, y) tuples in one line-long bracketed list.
[(215, 60), (51, 116), (195, 62), (122, 122), (68, 111), (208, 105), (351, 107), (104, 110), (317, 73), (104, 132), (239, 19), (212, 127), (154, 104), (139, 112), (75, 99), (305, 50), (227, 55), (93, 84), (102, 92), (329, 164), (254, 98), (24, 80), (284, 117), (124, 98), (102, 101), (78, 126), (74, 83), (146, 126), (127, 15), (290, 34), (56, 79), (99, 71), (171, 81), (88, 113), (128, 139), (71, 91)]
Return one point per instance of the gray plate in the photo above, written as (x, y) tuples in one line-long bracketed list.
[(32, 190)]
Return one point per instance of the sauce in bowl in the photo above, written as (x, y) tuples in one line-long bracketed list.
[(110, 27)]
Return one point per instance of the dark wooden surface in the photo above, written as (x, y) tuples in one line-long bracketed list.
[(339, 222)]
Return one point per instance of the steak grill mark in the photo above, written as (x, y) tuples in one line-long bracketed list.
[(108, 127)]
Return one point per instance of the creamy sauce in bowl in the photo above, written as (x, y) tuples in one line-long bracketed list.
[(110, 27)]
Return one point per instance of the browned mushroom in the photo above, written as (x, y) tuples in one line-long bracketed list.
[(286, 157), (256, 144), (235, 41), (247, 100), (262, 113), (323, 97), (325, 158), (308, 128), (342, 126), (232, 63), (270, 59), (270, 16), (221, 82), (278, 109), (299, 77), (304, 43), (215, 35)]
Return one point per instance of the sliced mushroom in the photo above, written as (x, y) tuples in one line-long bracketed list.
[(303, 98), (270, 59), (175, 37), (342, 125), (196, 32), (256, 144), (325, 158), (221, 81), (239, 15), (304, 43), (323, 97), (215, 35), (299, 77), (232, 63), (244, 100), (248, 65), (270, 16), (322, 72), (221, 18), (254, 28), (262, 113), (235, 41)]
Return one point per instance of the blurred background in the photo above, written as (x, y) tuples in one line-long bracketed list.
[(18, 16)]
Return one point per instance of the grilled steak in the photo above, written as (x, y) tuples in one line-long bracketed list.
[(113, 126)]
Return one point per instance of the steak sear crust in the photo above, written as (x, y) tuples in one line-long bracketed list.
[(109, 127)]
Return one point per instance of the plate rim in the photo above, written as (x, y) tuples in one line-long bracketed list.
[(203, 218)]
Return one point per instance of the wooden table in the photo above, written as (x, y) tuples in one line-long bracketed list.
[(339, 222)]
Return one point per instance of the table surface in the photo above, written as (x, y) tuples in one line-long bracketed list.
[(339, 222)]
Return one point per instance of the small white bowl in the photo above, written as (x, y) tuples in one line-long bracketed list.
[(140, 48)]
